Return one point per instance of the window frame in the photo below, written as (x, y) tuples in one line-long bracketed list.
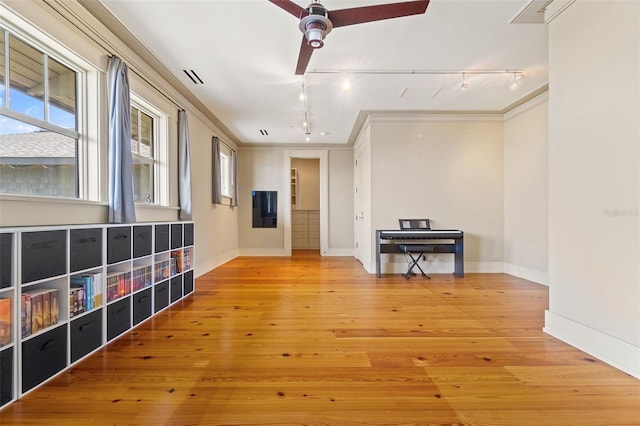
[(160, 149), (87, 83), (226, 173)]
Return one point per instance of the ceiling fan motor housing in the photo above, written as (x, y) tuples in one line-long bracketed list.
[(316, 25)]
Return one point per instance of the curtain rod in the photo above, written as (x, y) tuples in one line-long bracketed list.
[(108, 47), (226, 144)]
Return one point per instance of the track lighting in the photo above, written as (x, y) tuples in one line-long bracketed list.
[(464, 85), (515, 83)]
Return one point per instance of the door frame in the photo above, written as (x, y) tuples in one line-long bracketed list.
[(323, 156)]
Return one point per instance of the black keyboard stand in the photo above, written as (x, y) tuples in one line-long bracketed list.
[(412, 249)]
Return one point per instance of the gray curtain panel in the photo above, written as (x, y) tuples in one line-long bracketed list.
[(184, 167), (216, 185), (121, 199), (234, 165)]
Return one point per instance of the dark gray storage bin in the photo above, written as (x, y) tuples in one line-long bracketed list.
[(118, 244), (176, 235), (86, 334), (176, 288), (6, 260), (44, 254), (43, 356), (6, 375), (188, 282), (118, 317), (142, 240), (141, 306), (85, 248), (162, 238), (188, 234), (161, 295)]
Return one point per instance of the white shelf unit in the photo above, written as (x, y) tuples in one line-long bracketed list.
[(75, 264), (294, 188)]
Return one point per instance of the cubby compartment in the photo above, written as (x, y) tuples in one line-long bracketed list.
[(176, 235), (43, 306), (6, 260), (6, 375), (43, 356), (188, 282), (118, 317), (118, 281), (161, 296), (85, 248), (118, 244), (86, 334), (142, 240), (44, 254), (142, 308), (176, 288), (162, 238), (188, 234)]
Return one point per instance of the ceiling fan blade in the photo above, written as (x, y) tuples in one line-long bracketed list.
[(304, 57), (358, 15), (291, 7)]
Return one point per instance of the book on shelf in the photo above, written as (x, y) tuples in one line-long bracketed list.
[(38, 310), (161, 270), (5, 322), (141, 277), (91, 295), (187, 259), (176, 262), (25, 314), (118, 285)]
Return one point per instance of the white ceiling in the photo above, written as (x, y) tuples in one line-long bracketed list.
[(245, 51)]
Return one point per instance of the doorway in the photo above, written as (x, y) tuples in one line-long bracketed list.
[(305, 204), (322, 157)]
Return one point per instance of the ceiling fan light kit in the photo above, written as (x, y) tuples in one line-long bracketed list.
[(316, 25)]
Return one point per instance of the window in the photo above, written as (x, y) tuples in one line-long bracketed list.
[(225, 174), (39, 135), (142, 151), (148, 149)]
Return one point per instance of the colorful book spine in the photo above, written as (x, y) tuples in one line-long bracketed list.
[(25, 314), (5, 322)]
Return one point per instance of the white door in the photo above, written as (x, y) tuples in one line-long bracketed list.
[(362, 219)]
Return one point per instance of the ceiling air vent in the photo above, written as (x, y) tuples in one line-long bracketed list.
[(264, 132), (193, 76)]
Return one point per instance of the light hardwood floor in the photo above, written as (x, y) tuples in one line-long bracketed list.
[(318, 341)]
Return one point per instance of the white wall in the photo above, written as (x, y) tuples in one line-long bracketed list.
[(526, 191), (341, 209), (447, 169), (594, 166), (264, 169), (215, 226)]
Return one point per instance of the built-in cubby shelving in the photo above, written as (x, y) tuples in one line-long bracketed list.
[(66, 291)]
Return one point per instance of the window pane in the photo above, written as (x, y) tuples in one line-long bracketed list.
[(146, 135), (142, 181), (62, 95), (27, 79), (225, 175), (134, 129), (35, 161), (3, 101)]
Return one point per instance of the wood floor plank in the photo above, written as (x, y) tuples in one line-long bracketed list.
[(312, 340)]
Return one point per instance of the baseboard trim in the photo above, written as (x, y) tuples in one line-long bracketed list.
[(527, 274), (339, 252), (215, 262), (261, 252), (615, 352)]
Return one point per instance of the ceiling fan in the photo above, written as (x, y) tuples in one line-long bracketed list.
[(316, 21)]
